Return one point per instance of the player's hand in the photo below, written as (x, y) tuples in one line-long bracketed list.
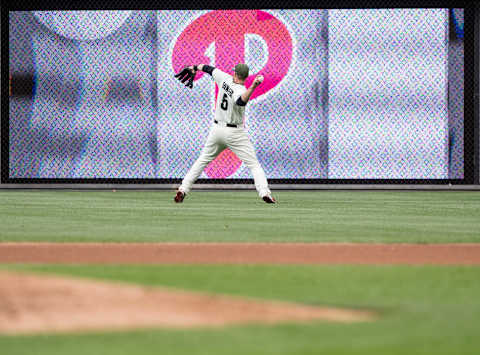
[(258, 80), (186, 76)]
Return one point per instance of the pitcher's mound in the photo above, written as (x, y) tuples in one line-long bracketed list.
[(32, 303)]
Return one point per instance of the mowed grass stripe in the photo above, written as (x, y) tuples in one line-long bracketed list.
[(217, 216)]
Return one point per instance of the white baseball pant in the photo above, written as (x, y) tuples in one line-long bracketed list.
[(219, 138)]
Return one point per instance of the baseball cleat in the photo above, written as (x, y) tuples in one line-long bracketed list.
[(269, 199), (179, 196)]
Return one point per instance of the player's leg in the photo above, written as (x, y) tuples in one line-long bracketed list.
[(240, 144), (213, 147)]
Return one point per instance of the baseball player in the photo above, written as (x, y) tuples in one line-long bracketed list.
[(228, 130)]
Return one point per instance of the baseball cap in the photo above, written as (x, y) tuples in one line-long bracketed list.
[(241, 70)]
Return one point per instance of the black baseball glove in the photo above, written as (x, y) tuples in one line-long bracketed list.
[(186, 76)]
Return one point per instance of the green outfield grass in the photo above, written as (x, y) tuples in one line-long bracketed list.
[(424, 310), (227, 216)]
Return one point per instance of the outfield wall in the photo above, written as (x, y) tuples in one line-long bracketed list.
[(430, 154)]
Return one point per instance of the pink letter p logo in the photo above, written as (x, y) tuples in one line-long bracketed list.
[(227, 29)]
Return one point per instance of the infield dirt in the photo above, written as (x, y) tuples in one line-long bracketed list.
[(240, 253), (33, 303)]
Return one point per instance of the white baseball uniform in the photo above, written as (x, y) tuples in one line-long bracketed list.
[(223, 134)]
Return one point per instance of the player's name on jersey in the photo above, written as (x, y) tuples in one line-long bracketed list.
[(227, 89)]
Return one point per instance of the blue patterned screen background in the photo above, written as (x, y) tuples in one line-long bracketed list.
[(348, 94)]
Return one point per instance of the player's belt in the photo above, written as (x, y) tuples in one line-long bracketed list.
[(226, 124)]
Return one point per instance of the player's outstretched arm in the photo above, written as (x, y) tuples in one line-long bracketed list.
[(203, 67)]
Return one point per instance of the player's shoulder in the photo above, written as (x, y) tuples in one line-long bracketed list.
[(238, 87), (220, 73)]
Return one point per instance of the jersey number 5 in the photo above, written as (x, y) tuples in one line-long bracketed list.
[(224, 104)]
